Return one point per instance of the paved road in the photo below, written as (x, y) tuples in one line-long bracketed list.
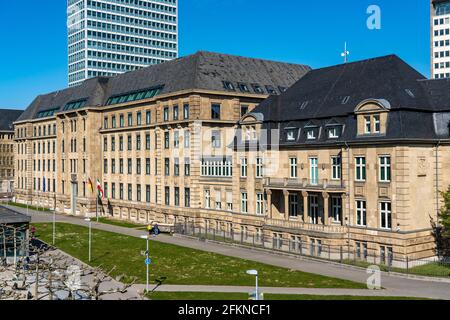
[(395, 285)]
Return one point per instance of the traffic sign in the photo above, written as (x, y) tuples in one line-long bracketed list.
[(148, 261)]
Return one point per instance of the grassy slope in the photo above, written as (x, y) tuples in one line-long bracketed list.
[(180, 265)]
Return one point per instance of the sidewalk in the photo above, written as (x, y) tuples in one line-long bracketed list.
[(394, 285)]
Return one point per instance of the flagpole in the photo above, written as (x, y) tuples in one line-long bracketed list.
[(96, 207)]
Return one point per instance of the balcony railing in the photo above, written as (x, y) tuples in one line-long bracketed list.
[(306, 226), (304, 183)]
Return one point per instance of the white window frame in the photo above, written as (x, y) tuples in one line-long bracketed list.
[(361, 210), (314, 167), (207, 199), (376, 124), (259, 167), (336, 208), (244, 202), (386, 211), (218, 202), (367, 124), (333, 133), (293, 173), (259, 203), (310, 134), (293, 205), (359, 168), (384, 168), (336, 169), (244, 167), (290, 136)]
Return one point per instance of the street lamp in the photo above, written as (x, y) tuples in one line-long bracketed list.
[(254, 273), (90, 236), (147, 260)]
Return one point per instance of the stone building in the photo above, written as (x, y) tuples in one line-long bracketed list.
[(7, 117), (353, 155), (145, 135)]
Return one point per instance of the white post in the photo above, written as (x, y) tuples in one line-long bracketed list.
[(256, 291), (54, 226), (15, 247), (148, 267), (90, 239)]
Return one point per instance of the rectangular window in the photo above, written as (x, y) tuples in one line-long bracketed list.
[(244, 167), (130, 143), (139, 118), (187, 139), (147, 193), (293, 168), (105, 166), (121, 191), (229, 200), (138, 166), (360, 168), (177, 197), (130, 166), (367, 125), (187, 167), (259, 168), (385, 168), (176, 167), (186, 111), (147, 166), (386, 215), (314, 171), (130, 192), (218, 200), (166, 113), (293, 205), (147, 141), (244, 206), (215, 111), (148, 117), (113, 121), (166, 166), (187, 197), (175, 113), (377, 124), (166, 140), (215, 139), (122, 121), (290, 136), (336, 168), (207, 199), (176, 139), (130, 119), (121, 143), (311, 134), (113, 190), (336, 208), (138, 193), (244, 110), (259, 204), (138, 142), (361, 213), (167, 196)]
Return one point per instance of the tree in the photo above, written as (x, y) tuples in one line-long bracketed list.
[(441, 228)]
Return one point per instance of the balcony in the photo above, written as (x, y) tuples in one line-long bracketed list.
[(305, 184), (297, 225)]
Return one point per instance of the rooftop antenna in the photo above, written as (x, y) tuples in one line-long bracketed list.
[(346, 53)]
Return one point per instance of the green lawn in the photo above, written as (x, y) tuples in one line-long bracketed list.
[(21, 205), (193, 296), (119, 223), (180, 265)]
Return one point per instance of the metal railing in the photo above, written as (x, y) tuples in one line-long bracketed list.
[(305, 183), (316, 249)]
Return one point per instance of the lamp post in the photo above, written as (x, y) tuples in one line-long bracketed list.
[(147, 257), (254, 273), (90, 236)]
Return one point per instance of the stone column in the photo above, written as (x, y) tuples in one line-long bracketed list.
[(269, 202), (286, 204), (344, 212), (326, 209), (305, 206)]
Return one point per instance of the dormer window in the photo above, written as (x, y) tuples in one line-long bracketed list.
[(271, 90), (334, 132), (257, 88), (228, 85), (311, 134), (290, 135), (243, 87)]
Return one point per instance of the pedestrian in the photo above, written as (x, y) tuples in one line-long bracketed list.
[(150, 229)]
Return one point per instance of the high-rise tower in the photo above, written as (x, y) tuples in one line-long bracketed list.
[(108, 37)]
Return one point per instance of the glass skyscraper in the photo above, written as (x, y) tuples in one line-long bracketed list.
[(108, 37), (440, 39)]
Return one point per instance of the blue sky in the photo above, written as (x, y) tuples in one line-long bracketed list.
[(33, 58)]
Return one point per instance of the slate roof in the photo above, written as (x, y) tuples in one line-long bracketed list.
[(202, 70), (7, 117), (419, 108), (8, 216)]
